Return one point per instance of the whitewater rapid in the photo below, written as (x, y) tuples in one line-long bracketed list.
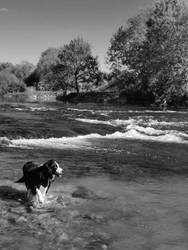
[(146, 121), (133, 132), (129, 111), (145, 126)]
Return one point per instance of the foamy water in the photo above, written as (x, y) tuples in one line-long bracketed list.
[(129, 111), (146, 126), (33, 109), (56, 143), (138, 120), (133, 132)]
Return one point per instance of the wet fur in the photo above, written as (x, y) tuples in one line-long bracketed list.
[(35, 176)]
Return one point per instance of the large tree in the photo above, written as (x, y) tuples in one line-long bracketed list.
[(166, 50), (80, 68), (154, 45), (49, 59), (23, 70), (126, 42)]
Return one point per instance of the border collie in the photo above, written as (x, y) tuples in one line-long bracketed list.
[(35, 176)]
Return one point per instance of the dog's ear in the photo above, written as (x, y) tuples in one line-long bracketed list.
[(47, 170), (50, 162)]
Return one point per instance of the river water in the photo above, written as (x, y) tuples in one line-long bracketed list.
[(125, 184)]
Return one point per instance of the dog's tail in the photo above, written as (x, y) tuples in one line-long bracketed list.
[(21, 180)]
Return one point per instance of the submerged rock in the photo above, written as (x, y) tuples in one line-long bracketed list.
[(104, 247), (74, 214), (63, 237), (12, 219), (3, 223), (78, 241), (21, 219), (95, 217), (84, 193), (4, 141), (97, 245)]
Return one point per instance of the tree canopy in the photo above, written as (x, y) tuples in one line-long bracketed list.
[(80, 68), (12, 77), (23, 70), (48, 59), (10, 83), (69, 68), (153, 45)]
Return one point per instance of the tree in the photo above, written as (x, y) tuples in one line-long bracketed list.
[(10, 83), (23, 70), (48, 59), (33, 79), (166, 50), (9, 67), (60, 78), (80, 68), (125, 44), (154, 46)]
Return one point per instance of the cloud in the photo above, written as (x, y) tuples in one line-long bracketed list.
[(3, 9)]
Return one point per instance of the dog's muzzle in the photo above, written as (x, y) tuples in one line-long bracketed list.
[(59, 171)]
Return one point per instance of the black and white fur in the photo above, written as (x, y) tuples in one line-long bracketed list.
[(35, 176)]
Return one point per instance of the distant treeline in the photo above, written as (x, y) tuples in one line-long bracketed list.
[(12, 77), (148, 60)]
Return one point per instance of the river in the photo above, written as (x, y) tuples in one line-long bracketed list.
[(125, 184)]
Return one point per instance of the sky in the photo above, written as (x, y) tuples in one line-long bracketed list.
[(28, 27)]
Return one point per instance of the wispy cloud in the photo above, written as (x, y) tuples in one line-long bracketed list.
[(3, 9)]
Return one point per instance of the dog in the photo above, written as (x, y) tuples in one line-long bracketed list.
[(35, 176)]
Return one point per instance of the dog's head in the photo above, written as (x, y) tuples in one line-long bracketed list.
[(52, 169)]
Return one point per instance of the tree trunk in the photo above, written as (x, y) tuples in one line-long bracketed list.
[(76, 84)]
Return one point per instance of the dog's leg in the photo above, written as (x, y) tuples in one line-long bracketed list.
[(49, 184), (45, 192), (40, 196), (32, 198), (28, 194)]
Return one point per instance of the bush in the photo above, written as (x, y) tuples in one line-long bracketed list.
[(9, 83)]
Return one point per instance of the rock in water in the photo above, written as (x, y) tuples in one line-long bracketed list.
[(84, 193), (4, 141)]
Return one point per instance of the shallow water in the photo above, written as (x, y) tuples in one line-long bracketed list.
[(125, 183)]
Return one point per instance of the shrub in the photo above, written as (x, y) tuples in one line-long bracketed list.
[(9, 83)]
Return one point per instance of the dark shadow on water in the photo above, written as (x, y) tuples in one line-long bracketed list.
[(8, 193), (17, 198)]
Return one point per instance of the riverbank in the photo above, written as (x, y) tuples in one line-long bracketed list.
[(31, 95), (94, 97), (91, 97)]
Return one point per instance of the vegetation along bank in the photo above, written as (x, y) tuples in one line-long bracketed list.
[(147, 58)]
